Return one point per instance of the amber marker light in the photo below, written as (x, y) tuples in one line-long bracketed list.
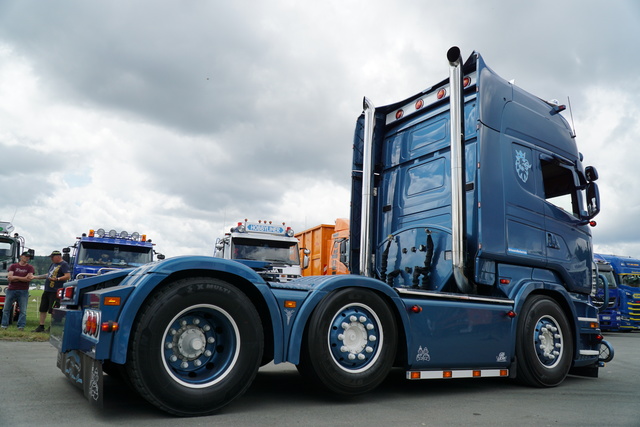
[(504, 372), (290, 304), (111, 301), (447, 374), (476, 374), (415, 375), (109, 326), (399, 114)]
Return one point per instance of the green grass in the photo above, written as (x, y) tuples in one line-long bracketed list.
[(13, 334)]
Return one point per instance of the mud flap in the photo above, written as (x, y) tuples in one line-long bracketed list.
[(85, 373)]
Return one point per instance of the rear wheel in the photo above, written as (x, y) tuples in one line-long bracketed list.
[(195, 347), (544, 345), (350, 342)]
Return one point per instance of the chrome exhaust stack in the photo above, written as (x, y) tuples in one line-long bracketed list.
[(367, 189), (458, 214)]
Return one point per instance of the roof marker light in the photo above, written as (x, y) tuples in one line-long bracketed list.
[(441, 93), (419, 104), (466, 81), (399, 114)]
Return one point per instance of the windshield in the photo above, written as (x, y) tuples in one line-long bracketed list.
[(6, 250), (101, 254), (266, 250), (632, 280), (611, 279)]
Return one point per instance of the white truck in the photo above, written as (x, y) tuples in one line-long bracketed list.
[(273, 245)]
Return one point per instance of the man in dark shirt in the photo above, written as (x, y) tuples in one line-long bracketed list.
[(19, 275)]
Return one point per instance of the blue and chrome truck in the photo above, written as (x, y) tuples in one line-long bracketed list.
[(471, 256), (99, 252), (609, 313), (626, 271)]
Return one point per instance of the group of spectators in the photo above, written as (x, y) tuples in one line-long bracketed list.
[(20, 276)]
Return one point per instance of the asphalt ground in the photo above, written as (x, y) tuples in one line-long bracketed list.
[(34, 392)]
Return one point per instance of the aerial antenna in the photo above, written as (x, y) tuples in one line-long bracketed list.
[(573, 126), (14, 215)]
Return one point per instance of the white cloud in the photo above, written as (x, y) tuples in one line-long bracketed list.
[(179, 120)]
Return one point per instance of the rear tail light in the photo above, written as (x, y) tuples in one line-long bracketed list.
[(90, 322), (66, 293)]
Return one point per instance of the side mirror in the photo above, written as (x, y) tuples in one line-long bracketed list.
[(593, 200), (591, 173), (305, 258), (601, 301), (160, 256)]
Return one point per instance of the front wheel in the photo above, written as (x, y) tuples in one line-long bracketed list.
[(350, 342), (195, 347), (544, 344)]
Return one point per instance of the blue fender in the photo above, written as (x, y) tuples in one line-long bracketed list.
[(148, 277), (326, 284)]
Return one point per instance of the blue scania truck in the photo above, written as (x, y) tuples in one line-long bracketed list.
[(471, 252), (624, 315)]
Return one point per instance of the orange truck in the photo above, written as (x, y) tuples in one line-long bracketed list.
[(328, 247)]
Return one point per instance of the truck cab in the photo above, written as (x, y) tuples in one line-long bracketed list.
[(626, 271), (609, 315), (271, 249), (98, 252), (11, 246)]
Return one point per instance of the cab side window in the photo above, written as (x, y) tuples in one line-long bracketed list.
[(559, 187)]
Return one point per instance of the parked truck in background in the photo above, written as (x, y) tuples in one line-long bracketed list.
[(471, 257), (99, 252), (609, 315), (271, 249), (328, 246), (626, 271), (11, 246)]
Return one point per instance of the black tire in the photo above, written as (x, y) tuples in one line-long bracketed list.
[(544, 344), (196, 346), (350, 342)]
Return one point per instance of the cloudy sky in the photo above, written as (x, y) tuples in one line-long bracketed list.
[(179, 118)]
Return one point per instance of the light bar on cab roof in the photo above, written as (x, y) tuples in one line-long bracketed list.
[(114, 234), (428, 98)]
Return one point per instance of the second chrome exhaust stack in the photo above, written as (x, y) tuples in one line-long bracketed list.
[(458, 214)]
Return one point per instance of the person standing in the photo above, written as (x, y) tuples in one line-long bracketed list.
[(19, 276), (59, 273)]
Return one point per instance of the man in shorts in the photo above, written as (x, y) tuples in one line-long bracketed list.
[(59, 273)]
